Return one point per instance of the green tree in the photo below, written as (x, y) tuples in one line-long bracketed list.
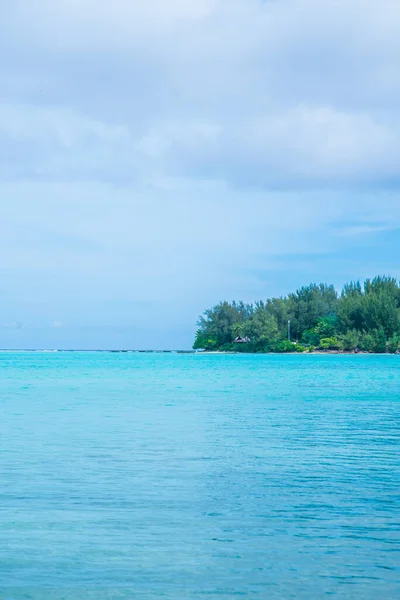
[(261, 328), (350, 340), (217, 325), (365, 316), (309, 304), (203, 341), (367, 342), (285, 346), (331, 343), (380, 311), (393, 345), (350, 307), (326, 327), (374, 341), (379, 338), (282, 311)]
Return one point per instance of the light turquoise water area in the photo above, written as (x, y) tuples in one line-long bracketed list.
[(130, 476)]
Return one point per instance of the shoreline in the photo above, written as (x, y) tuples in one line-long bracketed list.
[(314, 352), (197, 352)]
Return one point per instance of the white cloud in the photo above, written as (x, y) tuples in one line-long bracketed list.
[(52, 142), (100, 24), (302, 145), (172, 150), (12, 325), (57, 324), (311, 145), (364, 229), (249, 92)]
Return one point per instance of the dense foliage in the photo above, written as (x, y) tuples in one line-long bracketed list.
[(361, 318)]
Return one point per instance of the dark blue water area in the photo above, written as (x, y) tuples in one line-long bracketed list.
[(147, 476)]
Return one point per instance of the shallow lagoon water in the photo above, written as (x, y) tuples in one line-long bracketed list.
[(148, 476)]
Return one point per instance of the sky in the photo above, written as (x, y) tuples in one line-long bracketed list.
[(158, 157)]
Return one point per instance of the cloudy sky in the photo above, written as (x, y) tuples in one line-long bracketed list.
[(158, 156)]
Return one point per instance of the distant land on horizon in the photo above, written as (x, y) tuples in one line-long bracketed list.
[(364, 317)]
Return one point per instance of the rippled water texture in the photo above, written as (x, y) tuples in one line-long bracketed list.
[(130, 476)]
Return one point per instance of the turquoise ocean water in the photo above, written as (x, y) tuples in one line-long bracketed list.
[(130, 476)]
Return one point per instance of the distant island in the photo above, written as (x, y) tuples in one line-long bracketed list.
[(362, 318)]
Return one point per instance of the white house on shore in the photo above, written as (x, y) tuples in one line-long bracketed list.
[(241, 340)]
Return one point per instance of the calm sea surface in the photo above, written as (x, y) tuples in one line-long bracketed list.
[(130, 476)]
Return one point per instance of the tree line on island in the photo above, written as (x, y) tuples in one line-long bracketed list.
[(362, 318)]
